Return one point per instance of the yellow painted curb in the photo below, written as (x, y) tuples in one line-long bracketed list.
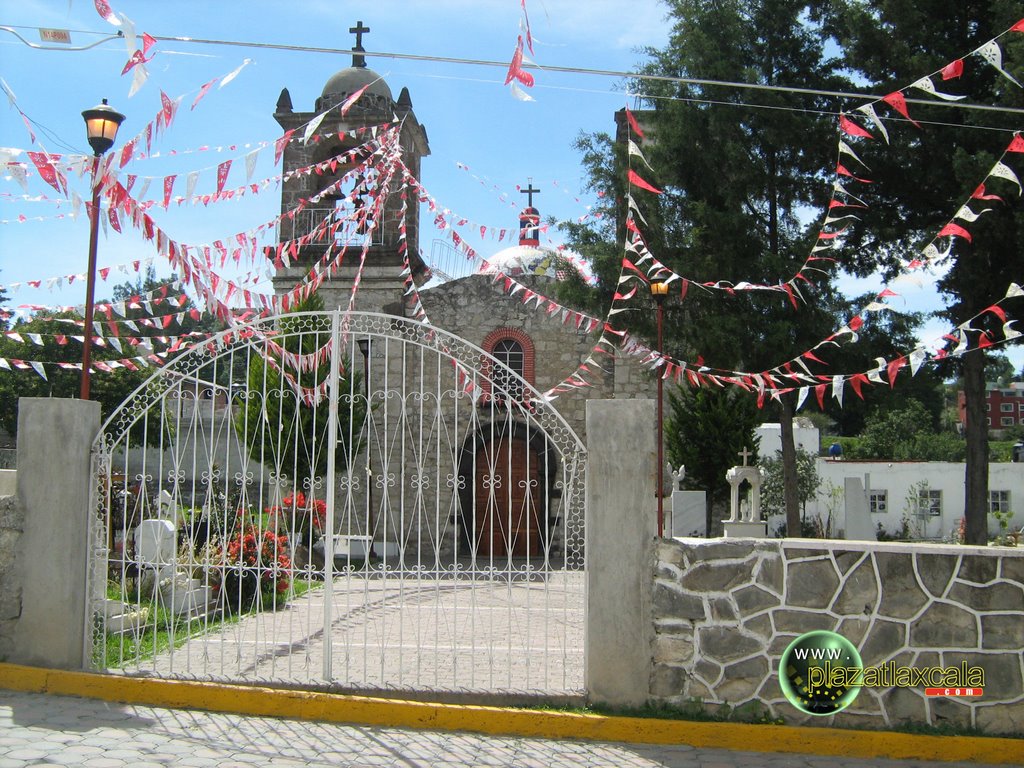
[(498, 721)]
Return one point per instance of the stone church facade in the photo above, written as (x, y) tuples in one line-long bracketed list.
[(498, 446)]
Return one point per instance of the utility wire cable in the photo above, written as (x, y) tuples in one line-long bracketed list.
[(545, 68)]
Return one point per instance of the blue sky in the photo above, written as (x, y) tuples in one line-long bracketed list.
[(470, 116)]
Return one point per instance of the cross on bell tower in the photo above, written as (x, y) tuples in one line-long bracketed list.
[(529, 192), (358, 60), (322, 220), (529, 219)]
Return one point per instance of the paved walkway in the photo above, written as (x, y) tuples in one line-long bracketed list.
[(424, 630), (47, 730)]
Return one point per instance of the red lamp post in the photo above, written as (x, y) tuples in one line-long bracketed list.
[(101, 124), (659, 290)]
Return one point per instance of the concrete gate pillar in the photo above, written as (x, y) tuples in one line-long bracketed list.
[(55, 436), (620, 535)]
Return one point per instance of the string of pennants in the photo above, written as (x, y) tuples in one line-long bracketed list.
[(803, 380), (829, 239)]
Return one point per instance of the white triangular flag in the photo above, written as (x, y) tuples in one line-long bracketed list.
[(519, 93), (801, 396), (250, 164), (925, 84), (917, 358), (837, 388), (991, 53), (311, 127), (869, 110), (1001, 171), (232, 75), (635, 150)]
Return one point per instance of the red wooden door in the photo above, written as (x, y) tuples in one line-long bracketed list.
[(507, 496)]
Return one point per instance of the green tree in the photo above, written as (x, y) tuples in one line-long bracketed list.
[(739, 169), (284, 417), (907, 433), (109, 388), (924, 173), (705, 431), (772, 489), (885, 335)]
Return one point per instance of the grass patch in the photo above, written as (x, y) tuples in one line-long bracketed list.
[(161, 629), (756, 714)]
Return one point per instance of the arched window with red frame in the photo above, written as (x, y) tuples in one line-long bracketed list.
[(514, 349)]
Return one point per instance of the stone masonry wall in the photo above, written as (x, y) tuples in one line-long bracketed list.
[(724, 612), (12, 521)]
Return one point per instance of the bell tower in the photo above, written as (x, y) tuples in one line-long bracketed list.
[(337, 202)]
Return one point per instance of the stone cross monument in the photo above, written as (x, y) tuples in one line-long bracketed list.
[(745, 518)]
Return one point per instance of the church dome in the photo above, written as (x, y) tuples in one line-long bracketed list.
[(524, 260), (349, 80)]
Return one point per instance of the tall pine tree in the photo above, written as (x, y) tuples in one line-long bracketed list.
[(925, 173)]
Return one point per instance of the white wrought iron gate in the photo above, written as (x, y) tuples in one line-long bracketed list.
[(340, 498)]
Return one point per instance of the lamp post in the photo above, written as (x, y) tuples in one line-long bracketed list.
[(659, 290), (101, 124)]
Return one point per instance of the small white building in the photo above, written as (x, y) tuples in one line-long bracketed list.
[(927, 497)]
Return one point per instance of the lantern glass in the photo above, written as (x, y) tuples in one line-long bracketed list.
[(101, 124)]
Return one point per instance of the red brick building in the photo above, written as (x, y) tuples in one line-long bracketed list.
[(1004, 406)]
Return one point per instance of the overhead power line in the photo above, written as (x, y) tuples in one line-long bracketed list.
[(546, 68), (585, 71)]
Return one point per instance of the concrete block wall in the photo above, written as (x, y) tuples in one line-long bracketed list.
[(724, 611), (12, 523)]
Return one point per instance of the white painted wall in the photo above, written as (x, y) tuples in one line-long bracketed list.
[(899, 479), (806, 438)]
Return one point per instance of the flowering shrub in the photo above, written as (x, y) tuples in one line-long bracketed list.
[(257, 562), (299, 515)]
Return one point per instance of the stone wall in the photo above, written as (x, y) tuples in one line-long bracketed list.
[(12, 521), (473, 306), (724, 612)]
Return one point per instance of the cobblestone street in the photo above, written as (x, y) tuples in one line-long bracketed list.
[(46, 730)]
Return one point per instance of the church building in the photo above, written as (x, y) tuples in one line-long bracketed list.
[(495, 443)]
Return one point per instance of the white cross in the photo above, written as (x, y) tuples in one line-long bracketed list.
[(746, 455)]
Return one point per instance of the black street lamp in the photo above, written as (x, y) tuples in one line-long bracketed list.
[(659, 290), (101, 124)]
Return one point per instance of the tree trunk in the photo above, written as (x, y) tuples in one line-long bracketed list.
[(790, 487), (976, 432)]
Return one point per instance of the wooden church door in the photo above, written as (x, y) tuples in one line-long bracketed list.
[(507, 499)]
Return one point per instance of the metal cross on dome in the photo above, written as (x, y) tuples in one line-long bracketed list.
[(530, 192), (358, 30)]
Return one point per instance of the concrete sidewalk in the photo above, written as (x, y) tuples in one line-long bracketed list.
[(49, 730)]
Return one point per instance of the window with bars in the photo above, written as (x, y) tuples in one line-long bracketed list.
[(510, 353), (998, 501), (878, 502), (929, 502)]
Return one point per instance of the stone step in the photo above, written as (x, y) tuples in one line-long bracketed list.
[(8, 482), (120, 617)]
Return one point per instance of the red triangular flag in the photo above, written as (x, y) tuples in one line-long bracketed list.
[(633, 124), (953, 70), (850, 127), (897, 101), (954, 230), (636, 181)]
